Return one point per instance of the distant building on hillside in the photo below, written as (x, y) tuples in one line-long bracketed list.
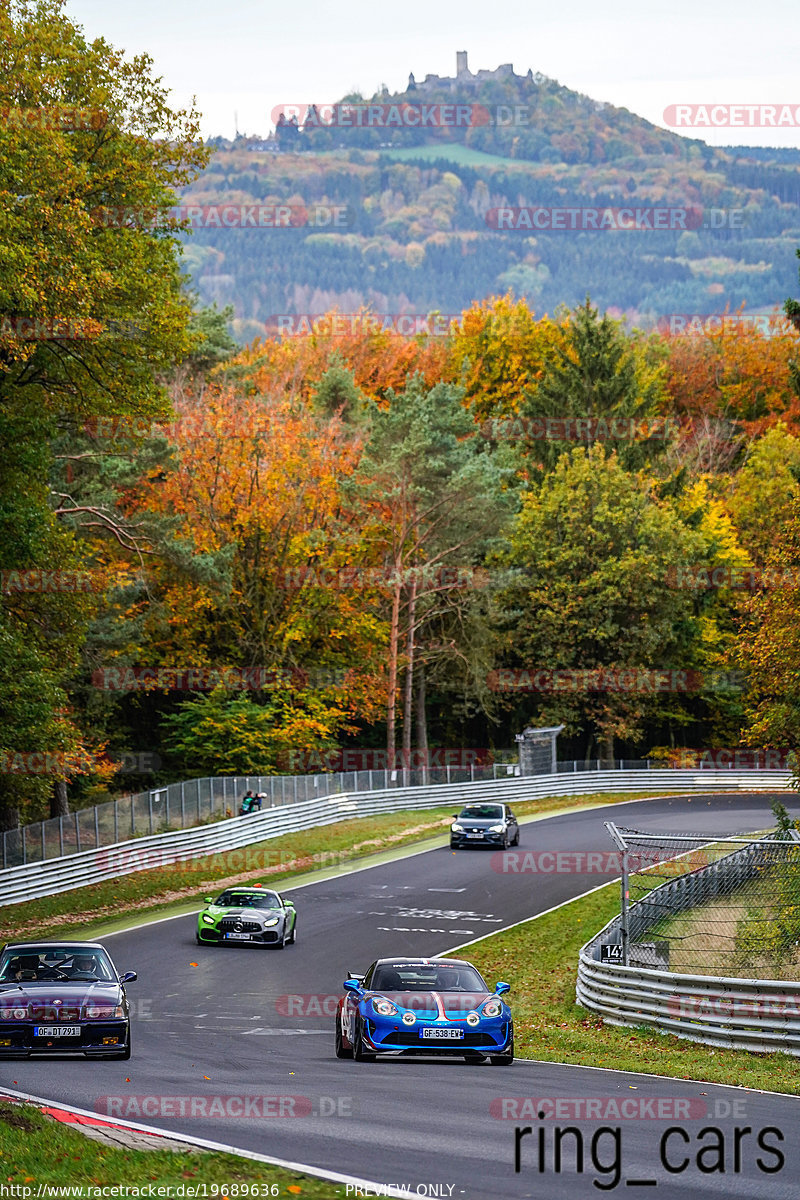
[(464, 77)]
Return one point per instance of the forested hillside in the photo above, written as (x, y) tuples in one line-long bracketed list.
[(417, 230), (219, 559)]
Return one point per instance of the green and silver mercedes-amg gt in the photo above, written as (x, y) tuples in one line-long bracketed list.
[(248, 914)]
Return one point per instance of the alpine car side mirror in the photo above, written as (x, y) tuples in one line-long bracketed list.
[(128, 977), (352, 985), (500, 989)]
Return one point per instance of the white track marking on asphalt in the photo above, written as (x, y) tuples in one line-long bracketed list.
[(289, 886), (253, 1155), (281, 1032), (452, 950), (447, 889)]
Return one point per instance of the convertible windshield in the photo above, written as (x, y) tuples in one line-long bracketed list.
[(61, 964), (482, 812), (427, 979), (248, 900)]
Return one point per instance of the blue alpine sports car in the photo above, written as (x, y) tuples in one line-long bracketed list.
[(424, 1006)]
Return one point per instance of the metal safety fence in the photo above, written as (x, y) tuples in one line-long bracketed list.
[(197, 801), (659, 963), (49, 876)]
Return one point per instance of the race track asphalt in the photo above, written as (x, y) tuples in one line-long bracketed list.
[(218, 1029)]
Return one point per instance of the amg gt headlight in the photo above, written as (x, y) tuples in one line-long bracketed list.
[(492, 1008), (384, 1007), (473, 1019), (497, 829), (271, 921), (457, 828), (102, 1012), (207, 920), (408, 1018)]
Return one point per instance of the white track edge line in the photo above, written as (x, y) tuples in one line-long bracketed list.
[(289, 887), (220, 1147)]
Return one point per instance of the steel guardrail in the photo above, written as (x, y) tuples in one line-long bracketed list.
[(759, 1015), (51, 876)]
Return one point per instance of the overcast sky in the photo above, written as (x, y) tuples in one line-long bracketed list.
[(249, 56)]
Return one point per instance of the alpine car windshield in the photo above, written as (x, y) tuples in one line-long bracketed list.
[(412, 978), (482, 812), (62, 964), (248, 900)]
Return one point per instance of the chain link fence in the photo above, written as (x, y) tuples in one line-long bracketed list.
[(702, 905), (197, 801)]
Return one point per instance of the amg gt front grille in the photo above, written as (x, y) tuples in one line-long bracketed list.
[(231, 925)]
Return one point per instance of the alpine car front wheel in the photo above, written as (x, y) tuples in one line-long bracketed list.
[(359, 1053), (342, 1051)]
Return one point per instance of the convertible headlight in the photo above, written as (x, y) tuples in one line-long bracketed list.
[(271, 921), (497, 829), (207, 920), (492, 1008), (384, 1007), (457, 828), (102, 1012), (473, 1019)]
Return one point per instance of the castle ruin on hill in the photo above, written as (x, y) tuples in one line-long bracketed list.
[(464, 77)]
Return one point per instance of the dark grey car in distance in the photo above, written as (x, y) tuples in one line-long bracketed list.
[(487, 824)]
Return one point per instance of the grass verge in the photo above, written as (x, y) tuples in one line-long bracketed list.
[(35, 1149), (278, 860), (539, 959)]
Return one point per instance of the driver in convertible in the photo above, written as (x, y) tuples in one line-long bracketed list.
[(84, 966)]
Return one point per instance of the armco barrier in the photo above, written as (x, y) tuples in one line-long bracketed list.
[(745, 1014), (197, 801), (93, 866)]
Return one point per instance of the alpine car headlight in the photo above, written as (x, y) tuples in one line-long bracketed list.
[(384, 1007), (473, 1019), (271, 921), (457, 828), (102, 1012), (408, 1018), (492, 1008), (497, 829), (207, 920)]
